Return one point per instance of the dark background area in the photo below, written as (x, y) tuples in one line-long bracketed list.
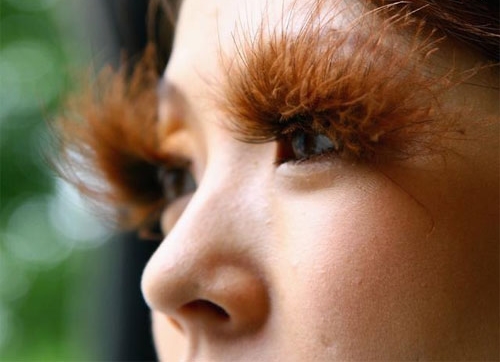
[(125, 315)]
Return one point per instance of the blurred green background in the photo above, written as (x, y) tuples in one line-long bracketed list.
[(51, 249)]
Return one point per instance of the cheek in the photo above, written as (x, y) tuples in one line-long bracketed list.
[(365, 261)]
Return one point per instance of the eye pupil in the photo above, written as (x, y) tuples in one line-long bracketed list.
[(300, 145)]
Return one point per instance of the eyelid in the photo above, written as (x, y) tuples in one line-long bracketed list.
[(312, 174), (177, 142)]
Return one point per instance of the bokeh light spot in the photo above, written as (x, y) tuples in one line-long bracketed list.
[(30, 77), (70, 217), (30, 237)]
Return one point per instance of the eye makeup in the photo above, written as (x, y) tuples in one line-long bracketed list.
[(363, 93)]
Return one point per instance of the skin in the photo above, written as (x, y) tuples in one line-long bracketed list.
[(324, 260)]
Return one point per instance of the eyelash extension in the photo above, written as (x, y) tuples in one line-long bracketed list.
[(381, 102), (108, 145)]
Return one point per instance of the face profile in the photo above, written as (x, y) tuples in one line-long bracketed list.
[(326, 177)]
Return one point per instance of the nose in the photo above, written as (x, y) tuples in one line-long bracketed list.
[(206, 276)]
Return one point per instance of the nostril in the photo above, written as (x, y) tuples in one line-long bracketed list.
[(205, 307)]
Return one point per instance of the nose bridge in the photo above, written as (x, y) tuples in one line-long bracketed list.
[(200, 235), (209, 256), (229, 201), (215, 213)]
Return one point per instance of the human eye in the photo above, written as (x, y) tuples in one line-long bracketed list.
[(110, 150), (303, 145), (176, 182), (301, 91)]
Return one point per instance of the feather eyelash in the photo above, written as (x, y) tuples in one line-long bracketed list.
[(112, 140), (380, 102)]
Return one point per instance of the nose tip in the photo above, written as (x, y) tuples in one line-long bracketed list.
[(221, 298)]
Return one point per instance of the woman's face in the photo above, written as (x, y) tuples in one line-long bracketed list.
[(325, 258)]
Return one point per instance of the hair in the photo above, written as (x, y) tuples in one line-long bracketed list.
[(472, 23), (108, 131)]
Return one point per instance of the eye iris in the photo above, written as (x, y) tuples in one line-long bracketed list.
[(300, 145), (305, 145)]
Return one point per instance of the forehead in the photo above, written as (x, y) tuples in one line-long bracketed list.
[(209, 30)]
